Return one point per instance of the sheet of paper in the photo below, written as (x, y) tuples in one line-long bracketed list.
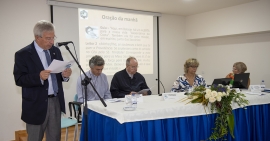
[(143, 91), (58, 66), (254, 93), (113, 100)]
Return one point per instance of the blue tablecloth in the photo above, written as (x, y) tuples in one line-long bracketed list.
[(251, 124)]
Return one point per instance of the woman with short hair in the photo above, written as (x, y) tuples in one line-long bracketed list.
[(238, 67), (190, 78)]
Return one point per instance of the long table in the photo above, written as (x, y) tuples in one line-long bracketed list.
[(172, 120)]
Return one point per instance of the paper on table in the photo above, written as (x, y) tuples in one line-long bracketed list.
[(58, 66), (113, 100), (254, 93)]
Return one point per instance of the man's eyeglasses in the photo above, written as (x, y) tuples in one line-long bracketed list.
[(134, 67), (49, 38)]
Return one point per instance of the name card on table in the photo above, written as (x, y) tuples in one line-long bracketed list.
[(255, 88), (138, 96), (170, 96)]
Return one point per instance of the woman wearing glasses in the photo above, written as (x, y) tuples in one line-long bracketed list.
[(190, 78)]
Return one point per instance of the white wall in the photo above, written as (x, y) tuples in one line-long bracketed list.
[(174, 49), (17, 21), (246, 18), (229, 35), (217, 56)]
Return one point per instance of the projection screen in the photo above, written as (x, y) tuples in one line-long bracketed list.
[(115, 34)]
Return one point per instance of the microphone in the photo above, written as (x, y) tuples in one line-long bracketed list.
[(58, 44), (162, 86)]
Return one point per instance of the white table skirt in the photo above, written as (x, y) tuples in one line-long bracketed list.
[(153, 107)]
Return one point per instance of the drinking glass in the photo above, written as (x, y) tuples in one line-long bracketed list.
[(128, 101)]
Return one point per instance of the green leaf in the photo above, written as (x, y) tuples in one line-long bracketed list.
[(197, 100), (230, 120)]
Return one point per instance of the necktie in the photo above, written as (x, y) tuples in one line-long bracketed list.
[(53, 76)]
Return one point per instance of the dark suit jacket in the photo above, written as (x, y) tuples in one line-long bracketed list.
[(26, 72), (122, 84)]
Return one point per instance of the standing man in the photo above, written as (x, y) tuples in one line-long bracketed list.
[(128, 80), (98, 79), (42, 91)]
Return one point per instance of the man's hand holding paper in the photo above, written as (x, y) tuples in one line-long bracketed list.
[(61, 66), (66, 73)]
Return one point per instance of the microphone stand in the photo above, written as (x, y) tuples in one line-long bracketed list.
[(162, 86), (85, 82)]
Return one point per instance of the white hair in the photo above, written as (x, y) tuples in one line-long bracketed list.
[(42, 26)]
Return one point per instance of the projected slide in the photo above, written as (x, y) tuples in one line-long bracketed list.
[(115, 36)]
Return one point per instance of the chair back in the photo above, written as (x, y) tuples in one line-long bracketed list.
[(76, 106), (76, 99)]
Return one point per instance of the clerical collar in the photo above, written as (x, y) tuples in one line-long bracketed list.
[(130, 75)]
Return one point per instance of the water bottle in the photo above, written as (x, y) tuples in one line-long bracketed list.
[(134, 100), (262, 85), (190, 89)]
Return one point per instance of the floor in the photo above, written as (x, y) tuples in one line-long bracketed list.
[(22, 135)]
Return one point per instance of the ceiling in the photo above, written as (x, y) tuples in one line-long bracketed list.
[(175, 7)]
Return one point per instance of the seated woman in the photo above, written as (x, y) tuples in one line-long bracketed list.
[(238, 67), (190, 78)]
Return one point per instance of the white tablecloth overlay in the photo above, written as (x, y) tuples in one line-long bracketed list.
[(153, 107)]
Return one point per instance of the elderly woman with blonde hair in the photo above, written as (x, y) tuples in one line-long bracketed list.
[(190, 78), (238, 67)]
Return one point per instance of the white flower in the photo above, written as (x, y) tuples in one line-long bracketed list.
[(218, 98), (219, 94), (208, 91), (228, 93), (212, 99), (224, 94), (237, 99), (213, 93), (207, 95), (242, 106), (228, 87)]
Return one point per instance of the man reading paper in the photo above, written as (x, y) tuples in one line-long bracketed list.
[(42, 91), (128, 81)]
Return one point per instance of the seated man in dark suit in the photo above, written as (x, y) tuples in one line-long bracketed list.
[(128, 80)]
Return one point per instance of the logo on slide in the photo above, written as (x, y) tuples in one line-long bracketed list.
[(84, 14)]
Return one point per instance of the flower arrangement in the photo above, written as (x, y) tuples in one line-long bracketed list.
[(220, 99)]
